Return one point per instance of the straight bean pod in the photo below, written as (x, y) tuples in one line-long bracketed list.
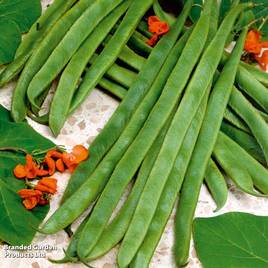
[(116, 230), (89, 190), (60, 56), (170, 192), (73, 71), (40, 55), (254, 120), (209, 130), (129, 163), (126, 108), (111, 51)]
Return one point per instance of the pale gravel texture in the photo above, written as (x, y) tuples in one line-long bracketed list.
[(82, 127)]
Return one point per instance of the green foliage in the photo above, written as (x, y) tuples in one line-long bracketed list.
[(233, 239), (17, 225), (16, 17)]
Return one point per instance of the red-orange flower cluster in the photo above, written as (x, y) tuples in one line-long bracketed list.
[(53, 161), (254, 46), (158, 28)]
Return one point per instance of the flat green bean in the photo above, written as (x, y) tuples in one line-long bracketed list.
[(115, 89), (126, 108), (210, 127), (216, 184), (164, 16), (254, 120), (170, 192), (116, 230), (258, 172), (138, 43), (111, 50), (40, 55), (67, 47), (96, 181), (73, 71), (245, 140)]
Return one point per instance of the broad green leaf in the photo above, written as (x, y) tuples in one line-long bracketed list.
[(10, 39), (15, 221), (16, 17), (232, 240), (17, 225), (23, 12)]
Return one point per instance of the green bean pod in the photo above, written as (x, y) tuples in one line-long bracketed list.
[(138, 42), (126, 108), (96, 181), (111, 50), (259, 74), (235, 120), (170, 192), (234, 168), (140, 146), (258, 173), (117, 90), (77, 34), (37, 32), (116, 230), (254, 120), (210, 127), (131, 58), (245, 140), (39, 57), (73, 71), (216, 184), (143, 29), (251, 86)]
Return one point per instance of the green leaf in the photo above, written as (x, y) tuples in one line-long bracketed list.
[(23, 13), (17, 225), (16, 17), (10, 39), (232, 240)]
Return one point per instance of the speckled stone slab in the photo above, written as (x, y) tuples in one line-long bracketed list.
[(82, 127)]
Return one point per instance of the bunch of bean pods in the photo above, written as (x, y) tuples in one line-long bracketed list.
[(189, 113)]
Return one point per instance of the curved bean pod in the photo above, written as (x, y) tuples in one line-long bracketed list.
[(40, 55), (258, 173), (111, 50), (75, 68), (254, 120), (126, 108), (60, 56), (245, 140), (216, 184)]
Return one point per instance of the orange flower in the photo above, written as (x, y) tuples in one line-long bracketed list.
[(60, 165), (20, 172), (50, 164), (47, 185), (153, 40), (80, 152), (70, 161), (31, 167), (31, 197), (42, 172), (253, 42), (156, 27), (54, 154)]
